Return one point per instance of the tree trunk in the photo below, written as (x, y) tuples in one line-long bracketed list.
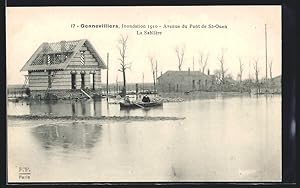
[(154, 86), (124, 83)]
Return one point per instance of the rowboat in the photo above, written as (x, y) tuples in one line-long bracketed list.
[(132, 105), (13, 99)]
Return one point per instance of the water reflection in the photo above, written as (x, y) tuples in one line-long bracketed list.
[(69, 136), (74, 108), (143, 111), (102, 108), (237, 138)]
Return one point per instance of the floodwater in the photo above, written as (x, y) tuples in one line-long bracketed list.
[(221, 139)]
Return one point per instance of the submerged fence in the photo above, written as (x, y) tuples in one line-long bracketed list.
[(15, 92)]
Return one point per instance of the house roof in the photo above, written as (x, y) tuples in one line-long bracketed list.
[(184, 73), (277, 78), (65, 51)]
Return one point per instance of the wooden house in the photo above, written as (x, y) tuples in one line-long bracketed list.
[(64, 65)]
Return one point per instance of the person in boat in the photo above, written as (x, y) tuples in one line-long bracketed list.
[(146, 99), (126, 99)]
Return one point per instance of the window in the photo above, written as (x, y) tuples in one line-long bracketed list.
[(193, 84)]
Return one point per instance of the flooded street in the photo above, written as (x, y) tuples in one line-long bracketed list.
[(234, 138)]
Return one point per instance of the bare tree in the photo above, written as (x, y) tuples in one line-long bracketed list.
[(249, 74), (270, 69), (193, 63), (217, 74), (124, 65), (240, 75), (153, 70), (180, 55), (241, 70), (222, 69), (256, 71), (203, 61)]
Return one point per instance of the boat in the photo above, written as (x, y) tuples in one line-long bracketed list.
[(132, 105), (13, 99)]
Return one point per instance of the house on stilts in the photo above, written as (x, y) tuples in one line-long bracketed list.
[(64, 69)]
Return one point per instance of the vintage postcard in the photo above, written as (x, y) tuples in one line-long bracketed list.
[(144, 94)]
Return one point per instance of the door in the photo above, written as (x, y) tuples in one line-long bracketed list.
[(92, 80), (73, 80), (82, 81), (193, 84)]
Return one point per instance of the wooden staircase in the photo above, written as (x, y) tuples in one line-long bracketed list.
[(86, 93)]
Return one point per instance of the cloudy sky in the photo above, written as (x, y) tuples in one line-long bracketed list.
[(243, 38)]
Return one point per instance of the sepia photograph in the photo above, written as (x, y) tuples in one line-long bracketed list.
[(144, 94)]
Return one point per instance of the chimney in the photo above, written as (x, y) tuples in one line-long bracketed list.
[(45, 50), (63, 45), (45, 47)]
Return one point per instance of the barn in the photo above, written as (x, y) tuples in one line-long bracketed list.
[(64, 66)]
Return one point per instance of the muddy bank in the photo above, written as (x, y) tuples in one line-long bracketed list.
[(112, 118)]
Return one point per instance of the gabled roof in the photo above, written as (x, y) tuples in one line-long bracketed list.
[(184, 73), (67, 49)]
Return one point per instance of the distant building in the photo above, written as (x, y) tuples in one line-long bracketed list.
[(276, 83), (271, 86), (182, 81), (64, 65)]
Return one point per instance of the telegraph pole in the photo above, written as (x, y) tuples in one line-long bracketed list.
[(155, 76), (143, 82), (107, 78), (117, 90), (266, 52), (193, 64)]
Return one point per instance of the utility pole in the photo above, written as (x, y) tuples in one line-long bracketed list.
[(193, 64), (143, 82), (117, 90), (155, 75), (107, 78), (266, 52)]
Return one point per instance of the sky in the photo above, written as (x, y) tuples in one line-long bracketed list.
[(243, 38)]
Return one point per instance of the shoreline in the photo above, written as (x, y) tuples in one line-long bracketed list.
[(104, 118), (167, 96)]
